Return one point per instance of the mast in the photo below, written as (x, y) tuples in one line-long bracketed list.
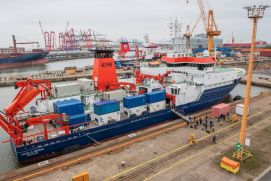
[(175, 31)]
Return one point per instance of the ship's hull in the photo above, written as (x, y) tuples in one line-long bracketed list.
[(23, 60), (40, 150), (45, 149), (207, 99)]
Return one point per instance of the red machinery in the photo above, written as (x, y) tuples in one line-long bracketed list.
[(140, 77), (29, 90), (45, 119)]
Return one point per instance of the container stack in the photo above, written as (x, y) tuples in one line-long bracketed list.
[(156, 100), (73, 108), (134, 105), (106, 112)]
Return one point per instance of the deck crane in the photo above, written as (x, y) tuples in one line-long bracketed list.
[(15, 43), (29, 90), (140, 77), (209, 24)]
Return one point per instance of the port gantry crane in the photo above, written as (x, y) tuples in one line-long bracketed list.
[(49, 38), (209, 25), (29, 90)]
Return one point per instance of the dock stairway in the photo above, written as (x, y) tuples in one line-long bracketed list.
[(180, 115)]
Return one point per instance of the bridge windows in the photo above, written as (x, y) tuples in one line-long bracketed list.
[(199, 66), (175, 91)]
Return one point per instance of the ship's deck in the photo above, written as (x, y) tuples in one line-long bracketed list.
[(35, 133)]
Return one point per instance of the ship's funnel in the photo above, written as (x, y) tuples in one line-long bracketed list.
[(124, 47), (104, 71)]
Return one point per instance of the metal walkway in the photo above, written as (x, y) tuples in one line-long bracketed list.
[(180, 115)]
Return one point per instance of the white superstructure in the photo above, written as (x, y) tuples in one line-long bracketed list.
[(196, 81)]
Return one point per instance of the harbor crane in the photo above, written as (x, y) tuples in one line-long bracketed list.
[(49, 38), (209, 25)]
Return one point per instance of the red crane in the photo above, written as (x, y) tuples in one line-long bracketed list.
[(49, 38), (72, 39), (140, 77), (61, 41), (87, 39), (29, 90)]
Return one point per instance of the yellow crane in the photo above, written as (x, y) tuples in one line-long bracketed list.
[(209, 24)]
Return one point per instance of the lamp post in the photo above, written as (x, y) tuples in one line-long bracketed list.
[(254, 13)]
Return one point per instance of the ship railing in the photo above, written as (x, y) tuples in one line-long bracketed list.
[(22, 115), (78, 127), (37, 137), (54, 133)]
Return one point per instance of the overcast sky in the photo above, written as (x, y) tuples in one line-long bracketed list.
[(125, 18)]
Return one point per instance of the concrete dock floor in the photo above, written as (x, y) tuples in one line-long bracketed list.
[(199, 167)]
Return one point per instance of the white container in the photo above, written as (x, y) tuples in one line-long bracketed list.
[(135, 110), (86, 84), (106, 118), (240, 109), (157, 106), (117, 95), (64, 90)]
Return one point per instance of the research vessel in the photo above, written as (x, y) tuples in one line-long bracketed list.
[(71, 116)]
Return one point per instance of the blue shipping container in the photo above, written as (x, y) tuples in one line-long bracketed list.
[(69, 107), (134, 101), (78, 119), (106, 107), (156, 96)]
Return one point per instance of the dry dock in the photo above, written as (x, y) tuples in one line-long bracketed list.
[(146, 152)]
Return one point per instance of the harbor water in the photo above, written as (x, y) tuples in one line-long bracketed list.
[(8, 159)]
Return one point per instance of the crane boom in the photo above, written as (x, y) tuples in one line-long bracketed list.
[(43, 35), (29, 90), (140, 77), (209, 24), (203, 14)]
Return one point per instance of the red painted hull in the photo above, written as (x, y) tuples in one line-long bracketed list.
[(35, 62)]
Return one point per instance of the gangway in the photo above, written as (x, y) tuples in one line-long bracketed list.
[(180, 115)]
